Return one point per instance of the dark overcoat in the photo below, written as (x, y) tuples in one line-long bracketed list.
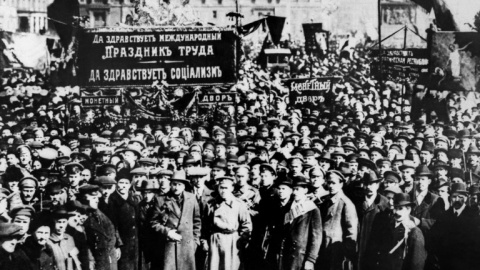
[(303, 238), (125, 218), (409, 255), (173, 255), (366, 216), (102, 240), (41, 257), (455, 238)]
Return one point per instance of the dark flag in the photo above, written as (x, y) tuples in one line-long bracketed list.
[(275, 25), (62, 13), (184, 103), (247, 29)]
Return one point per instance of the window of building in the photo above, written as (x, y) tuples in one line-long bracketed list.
[(220, 2), (23, 24), (215, 14), (203, 1), (100, 18), (269, 1)]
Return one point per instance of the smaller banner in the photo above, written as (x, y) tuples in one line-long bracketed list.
[(100, 98), (316, 39), (214, 98), (407, 63), (309, 92)]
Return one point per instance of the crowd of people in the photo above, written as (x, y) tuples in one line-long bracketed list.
[(351, 184)]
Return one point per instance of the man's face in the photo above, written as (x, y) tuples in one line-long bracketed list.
[(123, 186), (177, 187), (389, 197), (9, 244), (217, 172), (425, 157), (61, 225), (242, 176), (458, 200), (267, 178), (220, 150), (334, 185), (407, 175), (74, 179), (299, 193), (41, 235), (23, 221), (12, 160), (401, 213), (371, 188), (284, 192), (92, 200), (423, 182), (27, 193), (225, 189), (74, 221)]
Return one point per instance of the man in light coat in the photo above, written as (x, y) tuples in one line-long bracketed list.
[(176, 219)]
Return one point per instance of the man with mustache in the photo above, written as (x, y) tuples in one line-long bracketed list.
[(28, 186), (400, 243), (36, 248), (455, 234)]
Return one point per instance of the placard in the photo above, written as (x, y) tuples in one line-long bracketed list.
[(407, 63), (316, 39), (139, 57), (309, 93), (216, 98)]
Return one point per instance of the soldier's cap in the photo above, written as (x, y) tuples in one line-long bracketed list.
[(28, 182), (407, 164), (69, 167), (392, 177), (139, 171), (197, 171), (335, 173), (148, 161), (22, 210), (60, 212), (89, 189), (267, 166), (105, 181), (48, 154), (161, 172), (392, 189), (8, 230), (222, 179), (150, 184), (54, 188)]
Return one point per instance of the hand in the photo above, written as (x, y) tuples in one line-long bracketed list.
[(204, 245), (173, 235), (308, 265), (118, 253)]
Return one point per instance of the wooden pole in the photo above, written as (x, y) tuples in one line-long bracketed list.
[(380, 52)]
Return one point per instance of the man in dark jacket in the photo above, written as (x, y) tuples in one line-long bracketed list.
[(176, 219), (455, 234), (399, 243), (303, 230), (123, 205), (11, 257), (103, 239), (36, 247), (367, 209)]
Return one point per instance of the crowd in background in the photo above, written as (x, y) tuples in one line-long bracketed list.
[(354, 183)]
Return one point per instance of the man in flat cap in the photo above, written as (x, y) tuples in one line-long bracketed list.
[(399, 243), (28, 186), (10, 256), (227, 228), (36, 248), (102, 238), (176, 220), (22, 215), (245, 192), (123, 207), (340, 226)]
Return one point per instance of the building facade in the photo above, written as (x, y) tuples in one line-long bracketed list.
[(106, 12), (28, 16)]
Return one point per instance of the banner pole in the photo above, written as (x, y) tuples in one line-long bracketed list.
[(380, 53), (404, 87)]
